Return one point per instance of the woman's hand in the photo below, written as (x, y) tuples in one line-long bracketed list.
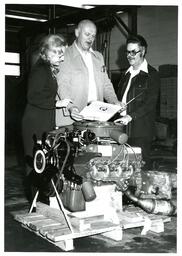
[(63, 103)]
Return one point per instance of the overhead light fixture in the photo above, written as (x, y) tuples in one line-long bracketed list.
[(79, 5), (70, 24), (24, 18), (87, 7), (119, 12)]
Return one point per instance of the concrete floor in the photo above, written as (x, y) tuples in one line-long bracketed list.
[(18, 239)]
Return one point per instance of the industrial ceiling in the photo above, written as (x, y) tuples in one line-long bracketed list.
[(56, 16)]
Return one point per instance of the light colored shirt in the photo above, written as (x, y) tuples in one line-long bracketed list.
[(133, 73), (92, 90)]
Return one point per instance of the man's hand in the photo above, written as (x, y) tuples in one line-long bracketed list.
[(124, 120), (75, 115), (122, 105)]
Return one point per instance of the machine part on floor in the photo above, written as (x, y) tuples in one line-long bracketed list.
[(155, 206), (157, 185)]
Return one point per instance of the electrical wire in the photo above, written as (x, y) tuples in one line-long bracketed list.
[(64, 162), (133, 151), (115, 158)]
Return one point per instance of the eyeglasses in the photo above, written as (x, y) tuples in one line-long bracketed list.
[(57, 50), (132, 53)]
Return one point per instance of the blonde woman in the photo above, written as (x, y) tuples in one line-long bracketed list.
[(39, 116)]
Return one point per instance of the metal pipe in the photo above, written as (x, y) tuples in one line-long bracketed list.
[(120, 22)]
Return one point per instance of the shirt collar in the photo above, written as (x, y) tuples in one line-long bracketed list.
[(81, 52), (143, 67)]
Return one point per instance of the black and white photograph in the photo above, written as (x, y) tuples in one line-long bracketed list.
[(91, 127)]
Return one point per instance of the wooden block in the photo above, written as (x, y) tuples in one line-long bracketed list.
[(146, 226), (81, 224), (52, 213), (58, 233), (87, 220), (131, 217), (35, 219), (102, 224), (157, 226), (51, 229), (132, 208), (27, 218), (66, 245), (19, 216), (36, 225)]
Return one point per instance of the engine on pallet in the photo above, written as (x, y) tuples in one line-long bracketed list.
[(111, 160)]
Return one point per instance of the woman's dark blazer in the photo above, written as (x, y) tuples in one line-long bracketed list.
[(39, 115)]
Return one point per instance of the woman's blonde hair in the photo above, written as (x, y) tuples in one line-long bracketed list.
[(49, 41)]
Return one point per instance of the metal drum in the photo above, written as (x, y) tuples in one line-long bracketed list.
[(101, 129)]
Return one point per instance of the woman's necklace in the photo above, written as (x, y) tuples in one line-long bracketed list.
[(54, 70)]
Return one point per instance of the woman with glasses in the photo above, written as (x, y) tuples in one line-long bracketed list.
[(140, 83), (39, 115)]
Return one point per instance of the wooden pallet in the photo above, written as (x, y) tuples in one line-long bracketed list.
[(50, 224)]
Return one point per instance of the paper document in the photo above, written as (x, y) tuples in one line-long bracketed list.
[(99, 111)]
